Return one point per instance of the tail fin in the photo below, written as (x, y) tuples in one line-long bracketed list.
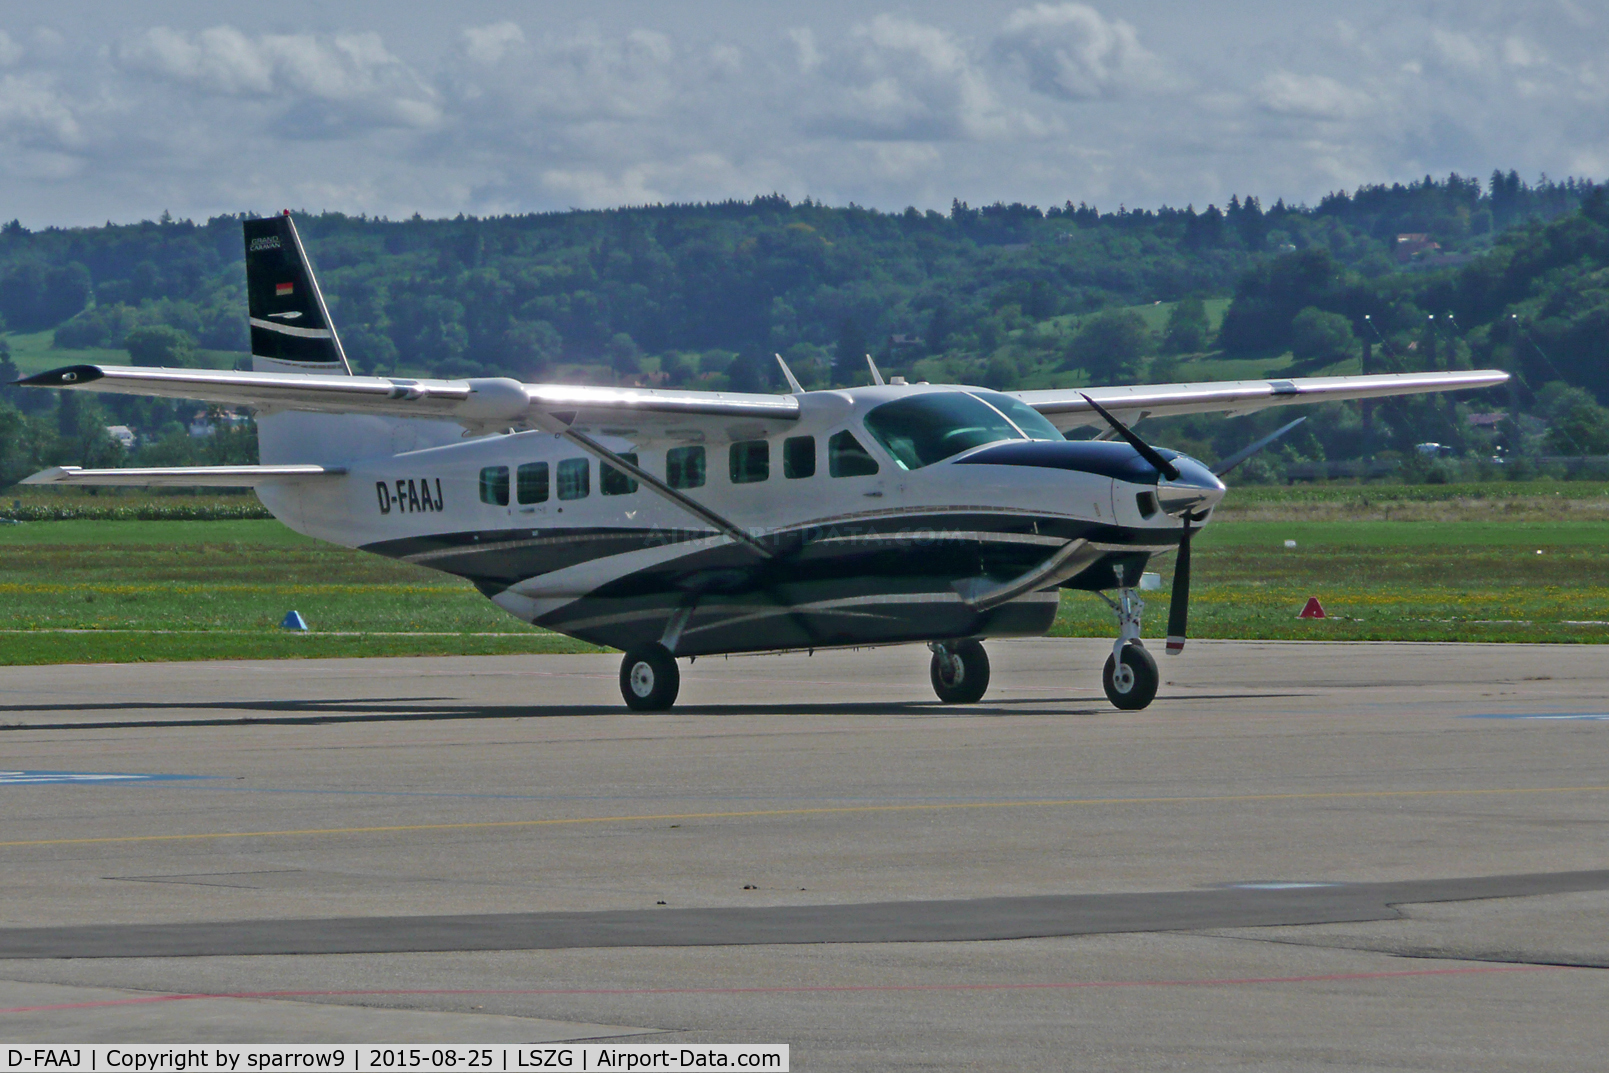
[(291, 329)]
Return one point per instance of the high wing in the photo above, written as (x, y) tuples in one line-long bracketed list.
[(495, 403), (480, 405), (1068, 409)]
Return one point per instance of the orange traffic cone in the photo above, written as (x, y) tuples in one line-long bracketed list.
[(1313, 609)]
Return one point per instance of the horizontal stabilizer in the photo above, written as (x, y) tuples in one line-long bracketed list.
[(182, 476)]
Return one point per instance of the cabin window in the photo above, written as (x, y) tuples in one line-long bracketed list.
[(847, 458), (531, 482), (684, 467), (920, 430), (494, 485), (750, 461), (617, 482), (575, 480), (799, 456)]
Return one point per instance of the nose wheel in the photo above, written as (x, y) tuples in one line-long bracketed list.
[(649, 678), (960, 671), (1132, 680), (1130, 677)]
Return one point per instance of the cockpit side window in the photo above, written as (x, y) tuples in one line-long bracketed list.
[(923, 429), (847, 458)]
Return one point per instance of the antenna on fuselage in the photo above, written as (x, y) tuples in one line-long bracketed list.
[(877, 377), (794, 387)]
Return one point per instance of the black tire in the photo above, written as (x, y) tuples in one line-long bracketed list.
[(964, 679), (649, 678), (1142, 691)]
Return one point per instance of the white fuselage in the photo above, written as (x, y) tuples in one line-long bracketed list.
[(885, 550)]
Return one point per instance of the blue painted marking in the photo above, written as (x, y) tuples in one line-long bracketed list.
[(1576, 717), (34, 778)]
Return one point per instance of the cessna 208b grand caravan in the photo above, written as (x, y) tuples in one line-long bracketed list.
[(687, 523)]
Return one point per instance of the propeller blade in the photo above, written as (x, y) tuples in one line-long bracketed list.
[(1147, 452), (1179, 607), (1244, 453)]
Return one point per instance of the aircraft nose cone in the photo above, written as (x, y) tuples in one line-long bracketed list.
[(1196, 490)]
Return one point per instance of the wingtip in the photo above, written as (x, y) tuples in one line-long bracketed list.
[(67, 376), (53, 475)]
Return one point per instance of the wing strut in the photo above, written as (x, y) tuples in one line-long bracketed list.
[(660, 488)]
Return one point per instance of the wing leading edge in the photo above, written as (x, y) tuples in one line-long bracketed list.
[(1068, 409)]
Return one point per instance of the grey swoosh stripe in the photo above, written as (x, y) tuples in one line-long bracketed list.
[(286, 329)]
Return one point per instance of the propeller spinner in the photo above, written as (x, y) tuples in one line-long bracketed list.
[(1187, 490)]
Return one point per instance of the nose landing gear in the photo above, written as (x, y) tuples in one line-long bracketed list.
[(1130, 676)]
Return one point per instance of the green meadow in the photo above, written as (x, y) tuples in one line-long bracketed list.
[(1501, 562)]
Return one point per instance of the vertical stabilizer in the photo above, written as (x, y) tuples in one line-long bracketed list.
[(291, 330)]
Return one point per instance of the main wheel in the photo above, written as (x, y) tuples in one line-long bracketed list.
[(1135, 689), (960, 672), (649, 678)]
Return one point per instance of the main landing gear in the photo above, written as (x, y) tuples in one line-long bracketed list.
[(649, 678), (960, 671), (1130, 676)]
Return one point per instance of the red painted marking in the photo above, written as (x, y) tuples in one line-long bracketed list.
[(1313, 609), (1065, 985)]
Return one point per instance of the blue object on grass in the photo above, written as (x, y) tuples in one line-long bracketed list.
[(293, 621)]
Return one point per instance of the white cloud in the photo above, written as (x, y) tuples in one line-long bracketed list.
[(1458, 49), (1311, 97), (896, 78), (353, 76), (1074, 52), (582, 76), (804, 40), (1518, 52), (1044, 102), (35, 112), (487, 45)]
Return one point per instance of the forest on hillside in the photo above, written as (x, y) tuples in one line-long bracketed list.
[(1438, 273)]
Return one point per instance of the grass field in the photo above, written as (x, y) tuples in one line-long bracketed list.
[(1475, 563), (34, 353)]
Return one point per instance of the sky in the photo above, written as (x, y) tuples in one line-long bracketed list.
[(120, 111)]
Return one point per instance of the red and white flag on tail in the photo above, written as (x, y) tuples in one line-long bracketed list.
[(282, 289)]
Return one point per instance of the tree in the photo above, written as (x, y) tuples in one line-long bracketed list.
[(625, 356), (1319, 338), (25, 444), (849, 358), (751, 371), (1109, 346), (369, 352), (531, 346), (35, 296), (1577, 425), (1188, 330), (1269, 296), (160, 345)]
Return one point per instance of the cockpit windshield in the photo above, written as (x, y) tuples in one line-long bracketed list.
[(1033, 423), (927, 428)]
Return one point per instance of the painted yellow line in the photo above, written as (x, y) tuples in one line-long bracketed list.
[(1336, 795)]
